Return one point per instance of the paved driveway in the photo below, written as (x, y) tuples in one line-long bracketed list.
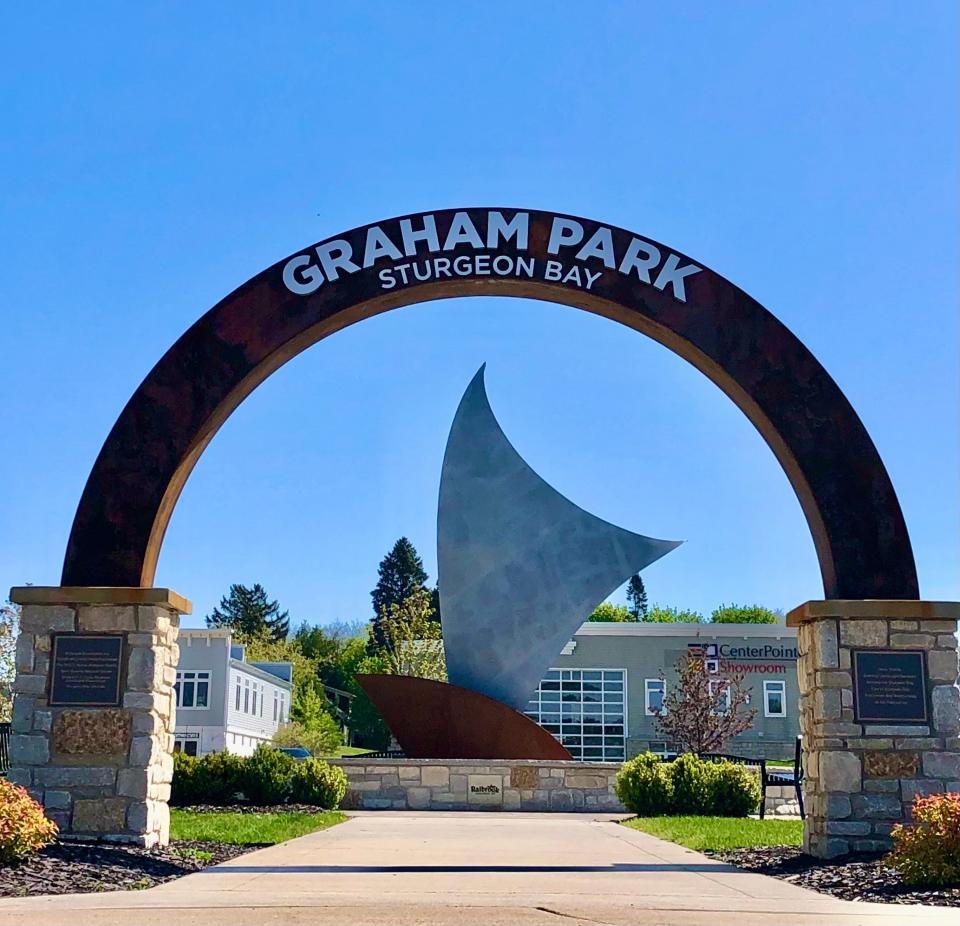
[(468, 869)]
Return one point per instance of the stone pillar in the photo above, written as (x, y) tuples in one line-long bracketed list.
[(104, 771), (862, 775)]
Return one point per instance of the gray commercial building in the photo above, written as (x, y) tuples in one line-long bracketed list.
[(223, 701), (600, 696)]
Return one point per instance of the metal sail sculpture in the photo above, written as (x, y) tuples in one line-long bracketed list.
[(520, 566)]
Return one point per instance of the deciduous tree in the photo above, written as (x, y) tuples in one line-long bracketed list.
[(701, 711), (9, 633), (660, 614), (414, 644), (610, 613), (745, 614)]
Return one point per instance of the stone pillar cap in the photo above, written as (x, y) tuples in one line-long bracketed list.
[(106, 595), (875, 609)]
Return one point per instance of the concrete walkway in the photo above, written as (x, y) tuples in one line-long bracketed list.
[(479, 869)]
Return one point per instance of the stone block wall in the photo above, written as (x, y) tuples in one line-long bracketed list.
[(861, 778), (506, 784), (99, 772)]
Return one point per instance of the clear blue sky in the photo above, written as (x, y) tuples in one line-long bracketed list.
[(153, 157)]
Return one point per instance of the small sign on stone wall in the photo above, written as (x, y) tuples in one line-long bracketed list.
[(485, 789), (889, 686), (85, 670)]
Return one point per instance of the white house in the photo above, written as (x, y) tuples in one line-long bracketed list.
[(223, 701)]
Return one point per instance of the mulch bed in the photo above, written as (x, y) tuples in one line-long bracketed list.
[(248, 808), (863, 876), (87, 867), (83, 867)]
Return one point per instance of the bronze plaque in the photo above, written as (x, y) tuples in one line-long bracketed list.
[(889, 686), (85, 670)]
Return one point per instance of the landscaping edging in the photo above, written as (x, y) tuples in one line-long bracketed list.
[(479, 784)]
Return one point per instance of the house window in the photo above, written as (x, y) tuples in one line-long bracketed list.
[(658, 748), (774, 699), (654, 690), (283, 708), (187, 747), (192, 689), (585, 709), (246, 696), (254, 686), (237, 694), (276, 704)]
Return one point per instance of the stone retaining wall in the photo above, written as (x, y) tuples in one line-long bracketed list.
[(508, 784), (781, 801)]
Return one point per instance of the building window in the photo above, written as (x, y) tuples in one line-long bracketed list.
[(585, 709), (237, 698), (192, 689), (658, 748), (723, 686), (283, 708), (774, 699), (246, 696), (254, 687), (276, 704), (654, 690), (187, 747)]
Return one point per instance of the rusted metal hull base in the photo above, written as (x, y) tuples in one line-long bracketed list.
[(436, 720)]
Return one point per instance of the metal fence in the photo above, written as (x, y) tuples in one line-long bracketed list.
[(4, 747)]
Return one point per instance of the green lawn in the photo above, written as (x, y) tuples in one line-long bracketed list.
[(245, 828), (350, 751), (721, 832)]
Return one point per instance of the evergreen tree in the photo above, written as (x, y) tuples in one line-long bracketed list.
[(401, 574), (637, 596), (250, 614)]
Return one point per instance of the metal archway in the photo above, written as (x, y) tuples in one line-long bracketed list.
[(846, 495)]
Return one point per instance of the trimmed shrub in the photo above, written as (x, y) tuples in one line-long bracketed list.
[(268, 776), (315, 782), (211, 779), (219, 776), (733, 790), (650, 787), (927, 852), (691, 785), (644, 785), (24, 830), (183, 789)]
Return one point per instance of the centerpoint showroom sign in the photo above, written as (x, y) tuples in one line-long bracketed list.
[(496, 245)]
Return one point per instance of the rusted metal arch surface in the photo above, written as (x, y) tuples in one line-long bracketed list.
[(846, 495), (437, 720)]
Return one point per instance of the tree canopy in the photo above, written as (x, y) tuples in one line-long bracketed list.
[(250, 614), (660, 614), (610, 613), (745, 614)]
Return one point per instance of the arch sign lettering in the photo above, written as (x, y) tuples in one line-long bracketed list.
[(846, 495)]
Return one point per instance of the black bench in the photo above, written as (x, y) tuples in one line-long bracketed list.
[(776, 776)]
